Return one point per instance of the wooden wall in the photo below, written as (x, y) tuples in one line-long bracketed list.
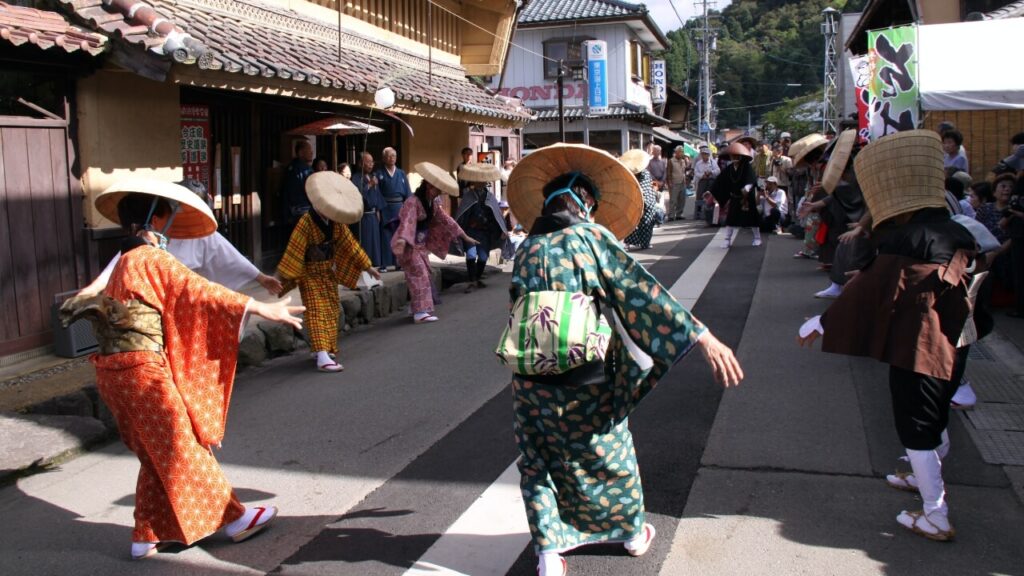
[(986, 133), (40, 224)]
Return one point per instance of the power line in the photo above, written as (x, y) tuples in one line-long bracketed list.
[(502, 38), (773, 57), (674, 9)]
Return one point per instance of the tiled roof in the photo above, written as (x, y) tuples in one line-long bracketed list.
[(1011, 10), (561, 10), (614, 111), (259, 40), (44, 29)]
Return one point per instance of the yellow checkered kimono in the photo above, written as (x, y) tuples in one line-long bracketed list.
[(318, 281)]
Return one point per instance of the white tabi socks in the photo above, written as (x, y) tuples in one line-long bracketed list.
[(934, 523), (728, 236), (757, 236)]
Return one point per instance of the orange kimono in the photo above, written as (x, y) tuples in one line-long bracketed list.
[(171, 405)]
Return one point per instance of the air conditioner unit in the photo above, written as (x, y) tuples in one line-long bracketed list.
[(76, 340)]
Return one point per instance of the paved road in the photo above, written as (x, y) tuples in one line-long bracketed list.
[(401, 465)]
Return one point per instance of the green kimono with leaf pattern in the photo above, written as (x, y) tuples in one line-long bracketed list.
[(580, 480)]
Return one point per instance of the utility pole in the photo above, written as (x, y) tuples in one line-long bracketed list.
[(705, 46), (561, 101), (830, 108)]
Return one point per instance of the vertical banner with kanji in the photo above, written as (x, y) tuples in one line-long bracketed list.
[(893, 104), (860, 68), (195, 139)]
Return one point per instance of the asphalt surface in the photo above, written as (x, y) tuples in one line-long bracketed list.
[(371, 467)]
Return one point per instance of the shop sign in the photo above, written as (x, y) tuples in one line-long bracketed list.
[(597, 75), (195, 142), (659, 81)]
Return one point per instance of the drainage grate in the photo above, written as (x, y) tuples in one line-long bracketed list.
[(979, 351), (993, 383), (987, 416), (999, 447)]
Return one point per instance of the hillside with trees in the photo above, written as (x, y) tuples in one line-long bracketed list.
[(764, 47)]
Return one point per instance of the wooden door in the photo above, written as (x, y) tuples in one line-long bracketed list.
[(38, 229)]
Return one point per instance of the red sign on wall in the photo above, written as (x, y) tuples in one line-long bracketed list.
[(195, 143)]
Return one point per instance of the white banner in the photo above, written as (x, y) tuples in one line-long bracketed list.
[(659, 81)]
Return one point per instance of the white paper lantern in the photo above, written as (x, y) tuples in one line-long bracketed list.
[(384, 98)]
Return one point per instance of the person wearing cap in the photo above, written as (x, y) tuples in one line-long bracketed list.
[(773, 205), (736, 186), (165, 366), (394, 187), (786, 139), (480, 216), (213, 257), (917, 284), (425, 228), (580, 480), (705, 170), (322, 253)]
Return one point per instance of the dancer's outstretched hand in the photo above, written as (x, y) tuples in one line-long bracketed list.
[(724, 365), (279, 312)]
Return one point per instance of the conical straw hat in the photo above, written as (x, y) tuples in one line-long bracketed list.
[(193, 220), (636, 160), (437, 177), (801, 148), (837, 162), (335, 197), (479, 172), (621, 203), (901, 173)]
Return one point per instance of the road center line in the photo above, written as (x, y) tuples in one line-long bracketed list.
[(491, 534)]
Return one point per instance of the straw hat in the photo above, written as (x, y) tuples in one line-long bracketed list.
[(636, 160), (799, 149), (437, 177), (901, 173), (194, 218), (479, 172), (840, 157), (737, 148), (335, 197), (748, 141), (620, 201)]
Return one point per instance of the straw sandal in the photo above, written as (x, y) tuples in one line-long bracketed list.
[(331, 367), (639, 546), (143, 550), (267, 515), (545, 569), (919, 523), (905, 481)]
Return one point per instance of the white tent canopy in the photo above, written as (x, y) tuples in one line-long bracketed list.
[(971, 65)]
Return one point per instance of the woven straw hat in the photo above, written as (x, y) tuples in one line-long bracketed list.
[(802, 147), (335, 197), (621, 203), (837, 162), (479, 172), (437, 177), (737, 148), (193, 220), (901, 173), (636, 160)]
